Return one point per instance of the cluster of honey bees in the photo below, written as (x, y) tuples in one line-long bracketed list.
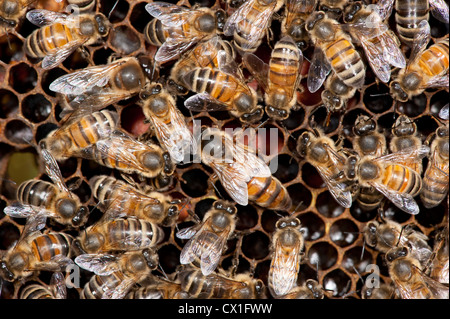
[(206, 59)]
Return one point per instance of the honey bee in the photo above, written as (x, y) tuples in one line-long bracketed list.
[(310, 290), (405, 136), (125, 153), (320, 151), (115, 275), (218, 286), (203, 55), (293, 24), (160, 110), (439, 260), (55, 290), (175, 29), (426, 68), (47, 199), (409, 15), (333, 8), (80, 132), (242, 173), (207, 240), (409, 280), (159, 288), (11, 11), (368, 141), (380, 44), (122, 200), (280, 79), (120, 234), (336, 94), (388, 235), (334, 50), (222, 89), (396, 182), (35, 251), (287, 246), (250, 22), (95, 87), (384, 291), (435, 179), (60, 34), (82, 5)]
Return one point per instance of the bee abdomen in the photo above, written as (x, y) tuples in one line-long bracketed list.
[(269, 192), (402, 179), (408, 15), (136, 231), (369, 198), (37, 193), (47, 39), (434, 188), (435, 60), (47, 246), (94, 288), (154, 33), (35, 292)]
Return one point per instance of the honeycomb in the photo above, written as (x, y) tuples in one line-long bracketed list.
[(333, 238)]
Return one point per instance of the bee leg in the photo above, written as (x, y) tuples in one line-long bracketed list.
[(270, 37), (86, 55)]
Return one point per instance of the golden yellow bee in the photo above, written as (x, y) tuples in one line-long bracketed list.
[(60, 34)]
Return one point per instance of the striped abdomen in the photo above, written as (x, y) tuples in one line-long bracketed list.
[(221, 86), (47, 246), (369, 198), (435, 183), (268, 192), (346, 62), (49, 39), (96, 286), (202, 287), (155, 33), (435, 60), (402, 179), (408, 14), (37, 193), (131, 234), (36, 291), (84, 6)]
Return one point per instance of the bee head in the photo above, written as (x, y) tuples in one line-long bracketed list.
[(102, 24), (81, 216), (221, 18), (276, 113), (303, 143), (5, 273), (252, 117), (364, 125), (398, 92), (225, 206), (351, 11), (403, 126)]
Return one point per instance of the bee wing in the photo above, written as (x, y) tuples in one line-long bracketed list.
[(54, 58), (204, 102), (240, 14), (443, 113), (80, 81), (440, 81), (439, 10), (173, 48), (53, 171), (420, 41), (285, 268), (403, 201), (253, 165), (58, 284), (318, 70), (234, 182), (412, 154), (385, 8), (169, 14), (120, 291), (18, 210), (42, 17), (212, 252), (258, 69), (175, 135), (100, 264), (188, 232), (337, 189), (438, 290), (377, 59)]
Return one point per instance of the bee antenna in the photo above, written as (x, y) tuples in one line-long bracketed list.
[(217, 191), (162, 271), (357, 272), (363, 249), (297, 207)]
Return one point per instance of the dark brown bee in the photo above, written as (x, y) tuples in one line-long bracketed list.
[(384, 291), (439, 267), (159, 288), (310, 290), (55, 290), (121, 199), (295, 14), (435, 178), (336, 94), (11, 11)]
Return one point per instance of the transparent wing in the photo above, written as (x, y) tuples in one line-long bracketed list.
[(285, 268), (173, 48), (403, 201), (250, 163), (440, 81), (188, 232), (54, 58), (420, 41), (175, 135), (318, 70), (257, 68), (42, 17), (169, 14), (376, 58), (443, 113), (85, 79), (100, 264), (53, 171), (438, 290), (18, 210), (439, 10), (233, 181), (240, 14), (408, 155), (121, 290), (385, 8), (337, 189), (58, 284), (204, 102)]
